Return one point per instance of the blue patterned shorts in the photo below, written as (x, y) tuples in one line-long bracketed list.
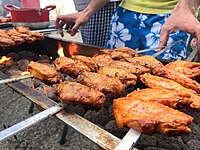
[(142, 31)]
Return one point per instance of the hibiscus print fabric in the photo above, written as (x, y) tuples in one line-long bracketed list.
[(142, 31)]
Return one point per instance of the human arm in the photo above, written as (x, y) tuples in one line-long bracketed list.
[(182, 18), (75, 20)]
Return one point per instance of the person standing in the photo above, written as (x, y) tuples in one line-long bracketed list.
[(95, 31), (145, 24)]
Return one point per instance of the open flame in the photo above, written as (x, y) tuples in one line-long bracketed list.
[(25, 73), (4, 59), (73, 49), (60, 50)]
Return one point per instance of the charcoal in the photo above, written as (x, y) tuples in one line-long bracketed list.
[(101, 117), (195, 134), (13, 71), (111, 127), (23, 64), (146, 141), (192, 145), (171, 143), (28, 55), (14, 56), (78, 109), (154, 148), (43, 61)]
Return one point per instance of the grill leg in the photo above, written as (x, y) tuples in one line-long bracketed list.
[(64, 134), (30, 111)]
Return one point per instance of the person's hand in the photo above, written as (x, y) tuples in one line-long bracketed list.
[(70, 22), (180, 20)]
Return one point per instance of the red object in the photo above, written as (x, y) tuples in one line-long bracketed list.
[(30, 3), (34, 18)]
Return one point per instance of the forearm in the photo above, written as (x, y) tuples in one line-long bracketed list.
[(187, 5), (94, 6)]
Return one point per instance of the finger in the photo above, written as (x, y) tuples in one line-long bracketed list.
[(164, 35), (74, 29)]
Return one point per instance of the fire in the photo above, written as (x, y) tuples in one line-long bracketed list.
[(3, 59), (60, 50), (25, 73), (73, 49)]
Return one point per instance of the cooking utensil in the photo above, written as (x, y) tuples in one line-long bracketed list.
[(161, 51), (129, 139), (30, 17), (12, 79), (192, 54), (29, 122)]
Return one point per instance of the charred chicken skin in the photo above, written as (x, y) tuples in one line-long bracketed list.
[(120, 53), (78, 93), (127, 78), (88, 61), (70, 67), (103, 83), (179, 78), (171, 98), (135, 69), (150, 117), (160, 82), (189, 69), (102, 60), (43, 72), (146, 61)]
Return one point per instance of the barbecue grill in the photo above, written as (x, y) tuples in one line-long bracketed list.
[(108, 138)]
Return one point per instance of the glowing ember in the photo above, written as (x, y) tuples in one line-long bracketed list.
[(3, 59), (25, 73), (73, 49), (60, 50)]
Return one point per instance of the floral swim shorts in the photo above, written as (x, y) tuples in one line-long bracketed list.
[(141, 31)]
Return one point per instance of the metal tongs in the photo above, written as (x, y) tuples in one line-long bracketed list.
[(163, 48)]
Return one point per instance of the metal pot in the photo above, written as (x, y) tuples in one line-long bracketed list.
[(30, 17)]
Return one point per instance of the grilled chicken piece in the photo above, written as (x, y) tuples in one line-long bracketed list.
[(150, 117), (146, 61), (120, 53), (160, 82), (127, 78), (78, 93), (171, 98), (179, 78), (135, 69), (70, 67), (102, 60), (6, 42), (43, 72), (3, 33), (103, 83), (14, 34), (88, 61), (25, 30), (190, 69)]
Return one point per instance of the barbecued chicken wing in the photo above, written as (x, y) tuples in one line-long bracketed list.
[(102, 60), (135, 69), (43, 72), (171, 98), (14, 34), (88, 61), (70, 67), (146, 61), (178, 77), (120, 53), (160, 82), (127, 78), (78, 93), (190, 69), (103, 83), (6, 42), (25, 30), (150, 117)]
